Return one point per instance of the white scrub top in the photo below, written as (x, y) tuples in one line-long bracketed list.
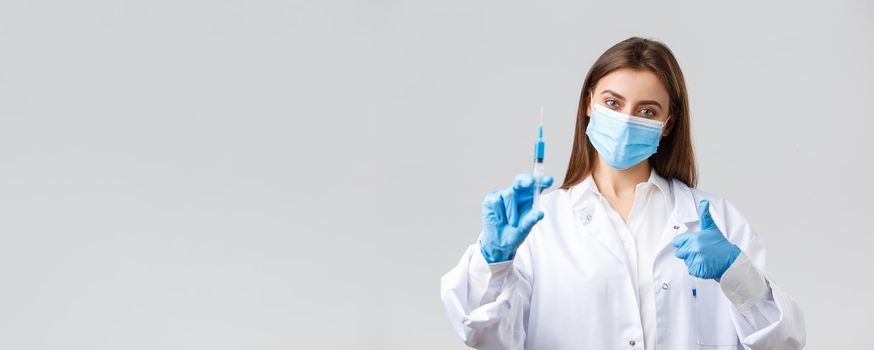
[(649, 214), (576, 284)]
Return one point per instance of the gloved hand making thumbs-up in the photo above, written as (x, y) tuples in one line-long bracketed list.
[(707, 253)]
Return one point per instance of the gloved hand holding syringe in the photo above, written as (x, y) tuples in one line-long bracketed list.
[(510, 214)]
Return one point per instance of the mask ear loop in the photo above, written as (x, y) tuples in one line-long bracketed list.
[(665, 125), (669, 115)]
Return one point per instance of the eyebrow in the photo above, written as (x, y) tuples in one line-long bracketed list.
[(646, 102)]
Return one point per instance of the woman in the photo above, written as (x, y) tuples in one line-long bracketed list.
[(627, 254)]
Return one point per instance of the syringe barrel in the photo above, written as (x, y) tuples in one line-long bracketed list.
[(539, 151), (538, 184)]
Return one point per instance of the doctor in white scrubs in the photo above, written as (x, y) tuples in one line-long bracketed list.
[(627, 253)]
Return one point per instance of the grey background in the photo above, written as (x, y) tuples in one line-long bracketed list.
[(274, 175)]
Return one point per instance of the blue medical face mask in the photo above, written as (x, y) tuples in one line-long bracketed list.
[(622, 140)]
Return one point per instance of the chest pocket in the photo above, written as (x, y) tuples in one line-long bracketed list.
[(712, 308)]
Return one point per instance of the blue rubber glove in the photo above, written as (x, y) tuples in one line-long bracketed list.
[(508, 218), (707, 253)]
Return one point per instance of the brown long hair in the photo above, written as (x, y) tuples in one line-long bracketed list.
[(674, 158)]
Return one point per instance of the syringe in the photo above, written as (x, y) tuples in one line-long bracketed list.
[(538, 163)]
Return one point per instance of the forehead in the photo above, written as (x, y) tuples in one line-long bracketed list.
[(633, 84)]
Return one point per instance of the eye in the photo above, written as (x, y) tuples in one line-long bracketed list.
[(647, 112), (611, 103)]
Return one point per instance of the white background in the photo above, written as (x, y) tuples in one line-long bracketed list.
[(298, 175)]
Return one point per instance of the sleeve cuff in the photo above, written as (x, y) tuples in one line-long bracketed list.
[(495, 271), (743, 284)]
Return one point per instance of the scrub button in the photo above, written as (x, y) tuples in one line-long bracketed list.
[(588, 218), (665, 286), (676, 227), (631, 342)]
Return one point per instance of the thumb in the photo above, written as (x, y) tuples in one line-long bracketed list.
[(545, 182), (704, 215), (528, 221)]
